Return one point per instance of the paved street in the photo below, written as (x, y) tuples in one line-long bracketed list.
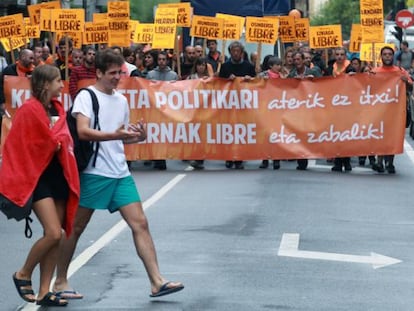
[(219, 231)]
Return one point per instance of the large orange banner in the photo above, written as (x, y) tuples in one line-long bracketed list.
[(278, 119)]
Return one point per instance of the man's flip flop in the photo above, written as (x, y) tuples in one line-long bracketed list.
[(165, 290), (23, 292), (69, 294)]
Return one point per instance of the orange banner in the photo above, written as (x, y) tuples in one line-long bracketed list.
[(276, 119)]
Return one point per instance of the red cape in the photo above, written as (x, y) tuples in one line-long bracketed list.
[(29, 148)]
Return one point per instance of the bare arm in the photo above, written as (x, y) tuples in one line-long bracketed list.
[(87, 133)]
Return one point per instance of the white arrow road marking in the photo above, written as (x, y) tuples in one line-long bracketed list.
[(289, 247)]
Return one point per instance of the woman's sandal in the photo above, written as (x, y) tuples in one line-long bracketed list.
[(51, 300), (24, 288)]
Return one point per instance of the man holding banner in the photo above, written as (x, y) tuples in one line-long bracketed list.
[(237, 66), (387, 59)]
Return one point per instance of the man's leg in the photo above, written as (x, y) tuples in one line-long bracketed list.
[(67, 248), (134, 216)]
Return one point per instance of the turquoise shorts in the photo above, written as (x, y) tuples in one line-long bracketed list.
[(98, 192)]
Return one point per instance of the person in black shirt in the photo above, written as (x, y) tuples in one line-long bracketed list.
[(237, 66)]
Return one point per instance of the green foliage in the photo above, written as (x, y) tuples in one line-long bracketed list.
[(143, 10), (344, 12), (334, 12)]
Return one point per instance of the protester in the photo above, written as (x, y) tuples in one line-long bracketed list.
[(274, 71), (162, 73), (37, 53), (23, 67), (150, 62), (387, 60), (109, 185), (337, 68), (301, 71), (77, 57), (200, 71), (187, 63), (214, 56), (39, 166), (85, 71), (63, 63), (236, 66)]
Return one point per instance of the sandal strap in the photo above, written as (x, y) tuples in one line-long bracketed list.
[(23, 283), (25, 292)]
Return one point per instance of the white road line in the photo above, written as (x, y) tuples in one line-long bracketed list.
[(111, 234)]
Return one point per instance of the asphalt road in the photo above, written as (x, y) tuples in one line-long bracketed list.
[(219, 231)]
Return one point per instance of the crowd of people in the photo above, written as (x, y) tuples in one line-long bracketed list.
[(297, 62), (61, 198)]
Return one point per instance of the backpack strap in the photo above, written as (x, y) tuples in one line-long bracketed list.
[(96, 126)]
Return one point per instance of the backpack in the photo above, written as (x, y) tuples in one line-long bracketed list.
[(84, 150)]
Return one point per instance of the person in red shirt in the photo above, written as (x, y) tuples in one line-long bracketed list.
[(85, 71), (387, 59)]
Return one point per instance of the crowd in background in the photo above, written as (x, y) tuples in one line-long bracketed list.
[(197, 62)]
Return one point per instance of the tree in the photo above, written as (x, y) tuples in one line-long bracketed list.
[(143, 10), (344, 12)]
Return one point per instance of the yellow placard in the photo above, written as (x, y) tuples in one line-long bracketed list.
[(226, 17), (34, 10), (118, 21), (261, 30), (144, 33), (207, 27), (165, 28), (356, 38), (13, 43), (74, 35), (232, 26), (183, 14), (287, 29), (372, 21), (321, 37), (67, 20), (302, 29), (32, 31), (132, 26), (99, 17), (45, 20), (369, 49), (12, 26), (96, 32)]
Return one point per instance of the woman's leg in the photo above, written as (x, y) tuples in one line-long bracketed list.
[(50, 216)]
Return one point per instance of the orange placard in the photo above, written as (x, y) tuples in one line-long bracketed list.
[(207, 27), (165, 28), (12, 26), (372, 21), (261, 30), (118, 21), (144, 33), (34, 10), (322, 37), (232, 26), (302, 29), (96, 32), (286, 28), (356, 38), (184, 12), (284, 119)]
